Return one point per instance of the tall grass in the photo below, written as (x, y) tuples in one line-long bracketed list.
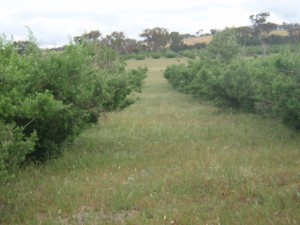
[(168, 159)]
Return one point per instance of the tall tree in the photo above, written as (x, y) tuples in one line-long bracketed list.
[(92, 36), (176, 41), (199, 32), (156, 38), (116, 40), (294, 32), (244, 35), (213, 31), (122, 44), (131, 46), (262, 28)]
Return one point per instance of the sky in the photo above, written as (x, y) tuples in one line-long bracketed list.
[(54, 22)]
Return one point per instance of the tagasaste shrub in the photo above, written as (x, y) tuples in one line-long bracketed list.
[(49, 97), (14, 147), (180, 77), (265, 85), (119, 85), (287, 88)]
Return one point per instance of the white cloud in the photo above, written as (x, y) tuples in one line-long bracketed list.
[(53, 21)]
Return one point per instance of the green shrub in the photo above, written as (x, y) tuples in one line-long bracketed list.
[(236, 85), (128, 56), (253, 50), (224, 45), (264, 85), (179, 77), (286, 88), (136, 77), (50, 97), (189, 54), (169, 54), (14, 147), (140, 56), (155, 55)]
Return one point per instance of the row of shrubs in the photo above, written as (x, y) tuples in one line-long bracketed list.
[(47, 98), (272, 49), (192, 54), (166, 54), (268, 85)]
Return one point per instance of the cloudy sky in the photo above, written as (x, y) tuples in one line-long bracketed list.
[(53, 22)]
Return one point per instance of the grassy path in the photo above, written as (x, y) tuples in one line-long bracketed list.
[(167, 159)]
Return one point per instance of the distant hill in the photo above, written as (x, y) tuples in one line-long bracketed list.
[(207, 39), (280, 32), (197, 40)]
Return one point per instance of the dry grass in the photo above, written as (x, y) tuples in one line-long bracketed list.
[(196, 40), (208, 39), (279, 32), (168, 159)]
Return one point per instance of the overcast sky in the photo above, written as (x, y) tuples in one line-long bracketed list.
[(54, 21)]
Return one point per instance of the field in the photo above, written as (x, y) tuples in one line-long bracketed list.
[(207, 39), (167, 159), (200, 40), (279, 32)]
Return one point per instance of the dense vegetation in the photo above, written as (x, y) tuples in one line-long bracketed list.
[(268, 85), (168, 159), (49, 97)]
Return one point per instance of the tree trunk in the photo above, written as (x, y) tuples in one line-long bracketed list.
[(263, 44)]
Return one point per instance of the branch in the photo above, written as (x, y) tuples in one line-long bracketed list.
[(29, 123)]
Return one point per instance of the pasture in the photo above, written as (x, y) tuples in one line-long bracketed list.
[(208, 38), (167, 159), (198, 40)]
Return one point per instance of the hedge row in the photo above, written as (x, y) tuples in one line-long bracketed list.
[(267, 85), (167, 54), (49, 97)]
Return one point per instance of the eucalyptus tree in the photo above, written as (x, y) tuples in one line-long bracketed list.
[(176, 41), (156, 38), (262, 28)]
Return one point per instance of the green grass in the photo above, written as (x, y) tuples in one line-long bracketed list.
[(167, 159)]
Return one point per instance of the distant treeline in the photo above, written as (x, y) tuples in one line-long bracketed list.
[(159, 39)]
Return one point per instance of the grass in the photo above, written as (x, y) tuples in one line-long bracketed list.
[(200, 40), (168, 159), (280, 32), (208, 38)]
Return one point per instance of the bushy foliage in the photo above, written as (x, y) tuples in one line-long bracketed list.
[(190, 53), (156, 55), (180, 76), (287, 88), (265, 85), (49, 97), (14, 147), (170, 54), (140, 56), (224, 45), (136, 77)]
